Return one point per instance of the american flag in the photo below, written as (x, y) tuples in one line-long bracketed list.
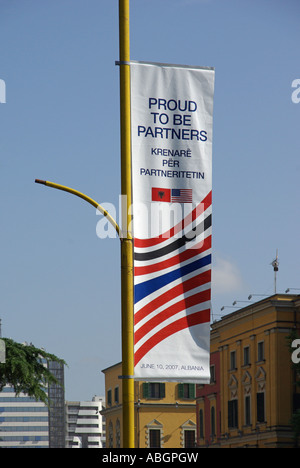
[(181, 196)]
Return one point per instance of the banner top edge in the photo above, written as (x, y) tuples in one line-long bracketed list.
[(158, 64)]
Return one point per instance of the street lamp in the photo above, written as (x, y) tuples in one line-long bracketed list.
[(262, 295), (127, 314), (235, 302), (124, 233), (84, 197)]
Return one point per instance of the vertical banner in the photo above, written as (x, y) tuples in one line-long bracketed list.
[(171, 115)]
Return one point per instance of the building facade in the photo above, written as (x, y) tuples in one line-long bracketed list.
[(208, 404), (27, 423), (253, 392), (164, 412), (24, 422), (85, 426), (56, 395)]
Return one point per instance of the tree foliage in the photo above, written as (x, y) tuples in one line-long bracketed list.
[(26, 370)]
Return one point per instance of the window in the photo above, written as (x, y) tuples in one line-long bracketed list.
[(232, 360), (118, 434), (153, 390), (154, 437), (260, 351), (116, 395), (212, 374), (189, 439), (260, 407), (233, 413), (109, 401), (246, 356), (201, 424), (247, 410), (110, 435), (186, 391), (296, 402), (212, 421)]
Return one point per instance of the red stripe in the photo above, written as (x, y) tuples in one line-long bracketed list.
[(190, 301), (181, 288), (181, 324), (174, 230), (185, 255)]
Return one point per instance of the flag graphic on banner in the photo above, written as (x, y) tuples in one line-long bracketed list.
[(172, 195), (171, 161), (181, 196), (161, 194)]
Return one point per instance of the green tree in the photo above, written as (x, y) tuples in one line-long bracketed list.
[(26, 370)]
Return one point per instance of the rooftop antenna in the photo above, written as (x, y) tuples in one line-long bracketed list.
[(275, 265)]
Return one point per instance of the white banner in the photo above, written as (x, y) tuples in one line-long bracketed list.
[(171, 112)]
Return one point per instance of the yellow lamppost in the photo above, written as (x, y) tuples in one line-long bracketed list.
[(127, 240), (124, 233)]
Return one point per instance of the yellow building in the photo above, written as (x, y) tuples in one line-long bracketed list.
[(253, 394), (165, 413)]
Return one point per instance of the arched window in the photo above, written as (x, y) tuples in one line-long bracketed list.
[(213, 421), (201, 424), (118, 434), (110, 435)]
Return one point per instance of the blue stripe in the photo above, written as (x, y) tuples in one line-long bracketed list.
[(142, 290)]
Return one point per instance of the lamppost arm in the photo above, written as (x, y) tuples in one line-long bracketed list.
[(84, 197)]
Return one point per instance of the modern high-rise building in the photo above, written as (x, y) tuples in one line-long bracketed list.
[(27, 423), (56, 395), (24, 422), (85, 426)]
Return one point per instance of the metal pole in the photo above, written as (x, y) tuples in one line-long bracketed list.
[(126, 240), (124, 232)]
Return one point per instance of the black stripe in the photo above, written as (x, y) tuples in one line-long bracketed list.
[(177, 243)]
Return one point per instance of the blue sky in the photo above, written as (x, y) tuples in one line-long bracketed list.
[(60, 283)]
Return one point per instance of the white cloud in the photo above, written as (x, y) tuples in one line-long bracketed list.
[(226, 277)]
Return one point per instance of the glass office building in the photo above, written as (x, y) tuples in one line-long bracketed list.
[(27, 423), (24, 422)]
